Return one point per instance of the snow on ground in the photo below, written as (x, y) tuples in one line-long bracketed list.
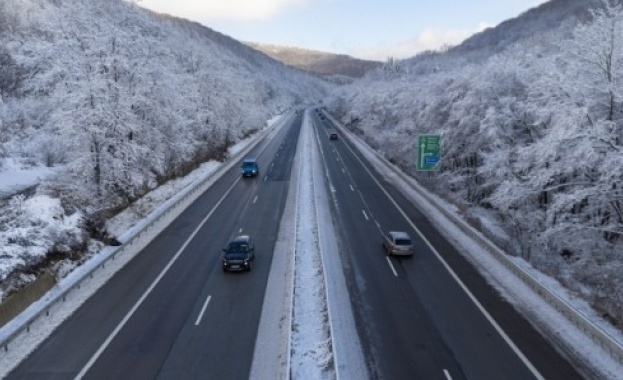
[(312, 354), (307, 229), (348, 357), (16, 176)]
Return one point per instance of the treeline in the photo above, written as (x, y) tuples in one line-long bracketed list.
[(119, 100), (126, 99), (532, 145)]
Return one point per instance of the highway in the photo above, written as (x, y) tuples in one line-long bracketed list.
[(171, 313), (415, 319)]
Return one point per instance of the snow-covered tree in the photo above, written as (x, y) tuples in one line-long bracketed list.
[(392, 67), (532, 134), (595, 58), (121, 100)]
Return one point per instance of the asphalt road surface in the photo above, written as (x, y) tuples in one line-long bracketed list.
[(195, 321), (414, 319), (171, 313)]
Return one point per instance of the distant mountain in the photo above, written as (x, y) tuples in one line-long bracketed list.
[(556, 15), (317, 62)]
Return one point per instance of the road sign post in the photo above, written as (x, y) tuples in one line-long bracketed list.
[(428, 152)]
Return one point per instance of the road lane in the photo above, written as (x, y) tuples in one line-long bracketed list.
[(145, 342), (423, 295)]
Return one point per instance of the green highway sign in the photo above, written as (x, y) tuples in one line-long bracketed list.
[(428, 152)]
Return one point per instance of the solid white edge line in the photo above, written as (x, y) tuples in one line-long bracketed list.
[(391, 266), (127, 317), (445, 372), (203, 309), (500, 331)]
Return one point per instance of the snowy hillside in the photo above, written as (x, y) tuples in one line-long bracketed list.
[(532, 148), (116, 100)]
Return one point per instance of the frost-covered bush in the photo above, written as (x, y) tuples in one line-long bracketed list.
[(32, 229)]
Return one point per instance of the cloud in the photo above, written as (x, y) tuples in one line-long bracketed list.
[(428, 39), (242, 10)]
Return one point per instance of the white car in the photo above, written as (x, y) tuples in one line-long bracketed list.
[(398, 243)]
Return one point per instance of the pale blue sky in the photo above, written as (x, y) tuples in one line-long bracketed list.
[(372, 29)]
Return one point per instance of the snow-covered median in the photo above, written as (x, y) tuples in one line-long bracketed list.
[(312, 348), (307, 329)]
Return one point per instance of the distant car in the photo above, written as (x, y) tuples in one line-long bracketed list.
[(239, 254), (333, 136), (398, 243), (250, 168)]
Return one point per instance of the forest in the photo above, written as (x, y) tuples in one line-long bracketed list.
[(119, 100), (532, 144)]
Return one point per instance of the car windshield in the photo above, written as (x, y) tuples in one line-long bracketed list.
[(236, 255), (403, 242), (235, 247), (248, 164)]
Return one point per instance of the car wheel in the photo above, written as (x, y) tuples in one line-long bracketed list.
[(250, 266), (224, 269)]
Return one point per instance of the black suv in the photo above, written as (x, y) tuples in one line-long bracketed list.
[(239, 254)]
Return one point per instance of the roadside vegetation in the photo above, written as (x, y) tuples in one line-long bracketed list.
[(532, 143)]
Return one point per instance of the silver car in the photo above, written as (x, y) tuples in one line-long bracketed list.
[(398, 243)]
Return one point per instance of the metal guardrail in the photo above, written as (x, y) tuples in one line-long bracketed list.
[(598, 335), (184, 198)]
